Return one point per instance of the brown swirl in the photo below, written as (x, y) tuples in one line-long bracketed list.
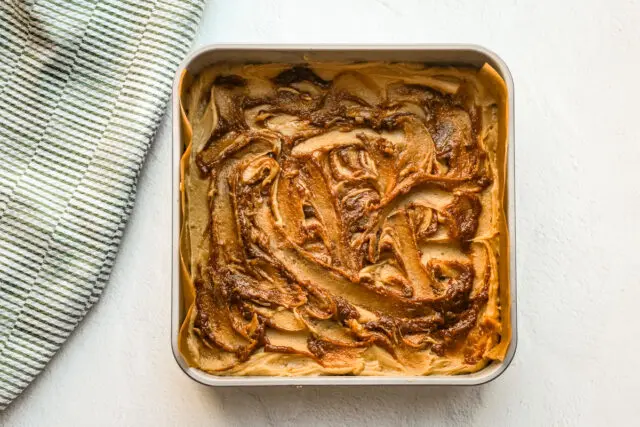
[(342, 219)]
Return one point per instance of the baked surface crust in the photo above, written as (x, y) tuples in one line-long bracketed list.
[(344, 219)]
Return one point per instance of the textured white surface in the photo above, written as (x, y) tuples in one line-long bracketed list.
[(576, 66)]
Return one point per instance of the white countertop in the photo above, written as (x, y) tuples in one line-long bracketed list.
[(576, 66)]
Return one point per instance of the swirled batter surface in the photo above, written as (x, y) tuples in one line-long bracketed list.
[(343, 219)]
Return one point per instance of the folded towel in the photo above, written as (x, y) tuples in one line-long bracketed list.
[(83, 87)]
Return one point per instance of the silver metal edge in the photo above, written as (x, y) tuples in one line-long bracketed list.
[(484, 376)]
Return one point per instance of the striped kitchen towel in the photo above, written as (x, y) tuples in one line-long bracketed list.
[(83, 87)]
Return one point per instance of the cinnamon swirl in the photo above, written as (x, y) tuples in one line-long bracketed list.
[(344, 219)]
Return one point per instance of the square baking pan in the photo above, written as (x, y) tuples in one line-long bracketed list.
[(430, 54)]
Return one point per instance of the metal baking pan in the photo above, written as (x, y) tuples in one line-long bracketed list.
[(436, 54)]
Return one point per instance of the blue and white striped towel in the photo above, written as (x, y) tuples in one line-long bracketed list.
[(83, 86)]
